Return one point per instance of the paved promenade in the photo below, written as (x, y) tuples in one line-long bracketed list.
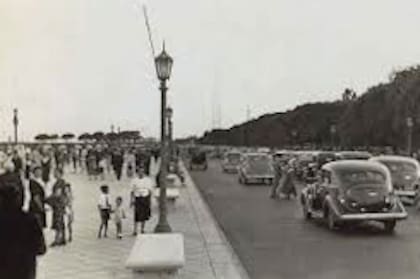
[(208, 255)]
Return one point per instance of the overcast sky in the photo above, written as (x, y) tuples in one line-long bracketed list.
[(82, 65)]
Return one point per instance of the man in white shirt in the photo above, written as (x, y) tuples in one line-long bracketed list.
[(141, 190)]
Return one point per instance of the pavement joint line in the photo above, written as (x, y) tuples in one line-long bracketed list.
[(191, 187)]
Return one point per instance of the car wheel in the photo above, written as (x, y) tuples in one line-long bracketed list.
[(390, 226), (331, 220)]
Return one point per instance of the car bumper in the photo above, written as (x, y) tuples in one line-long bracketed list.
[(373, 216), (230, 169), (398, 213), (258, 178), (406, 193)]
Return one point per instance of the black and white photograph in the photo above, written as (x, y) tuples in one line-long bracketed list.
[(209, 139)]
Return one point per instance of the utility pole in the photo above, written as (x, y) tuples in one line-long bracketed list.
[(410, 125), (248, 118), (15, 123)]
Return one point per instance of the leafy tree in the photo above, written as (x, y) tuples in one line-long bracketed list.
[(85, 136), (98, 136), (41, 137), (111, 136), (377, 117), (68, 136)]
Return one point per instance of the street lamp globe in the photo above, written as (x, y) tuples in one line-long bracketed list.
[(410, 122), (163, 65)]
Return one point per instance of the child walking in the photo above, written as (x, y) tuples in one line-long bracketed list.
[(104, 207), (119, 215)]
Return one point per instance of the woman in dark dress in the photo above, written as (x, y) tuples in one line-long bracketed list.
[(21, 238), (141, 200), (46, 167), (58, 203), (37, 203)]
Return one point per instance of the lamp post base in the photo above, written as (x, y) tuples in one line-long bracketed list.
[(163, 228)]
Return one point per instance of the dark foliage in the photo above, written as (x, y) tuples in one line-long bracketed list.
[(376, 118)]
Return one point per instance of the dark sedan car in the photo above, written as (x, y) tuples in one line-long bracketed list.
[(198, 161), (353, 191)]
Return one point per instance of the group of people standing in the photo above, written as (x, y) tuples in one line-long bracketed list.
[(141, 167), (25, 180), (32, 184)]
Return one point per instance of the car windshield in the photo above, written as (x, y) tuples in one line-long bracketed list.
[(351, 178), (257, 159), (355, 156), (233, 157), (400, 167)]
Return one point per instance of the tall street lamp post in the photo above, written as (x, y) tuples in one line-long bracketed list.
[(15, 124), (169, 114), (410, 125), (163, 64)]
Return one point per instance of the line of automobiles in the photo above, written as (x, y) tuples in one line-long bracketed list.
[(251, 167), (351, 186)]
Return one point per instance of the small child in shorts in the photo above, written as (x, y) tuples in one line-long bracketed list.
[(119, 215), (104, 207)]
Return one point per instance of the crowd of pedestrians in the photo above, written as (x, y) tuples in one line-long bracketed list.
[(32, 183)]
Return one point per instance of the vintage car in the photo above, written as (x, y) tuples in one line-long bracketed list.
[(353, 155), (231, 162), (352, 191), (256, 168), (323, 157), (405, 175), (198, 161)]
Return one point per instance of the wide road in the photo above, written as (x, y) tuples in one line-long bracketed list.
[(274, 241)]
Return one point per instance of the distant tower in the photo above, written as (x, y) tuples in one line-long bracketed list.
[(15, 124)]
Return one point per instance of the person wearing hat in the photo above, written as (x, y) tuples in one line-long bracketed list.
[(37, 202), (21, 238), (8, 177), (288, 187), (277, 166)]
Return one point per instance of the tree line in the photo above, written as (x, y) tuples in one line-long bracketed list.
[(378, 117), (96, 136)]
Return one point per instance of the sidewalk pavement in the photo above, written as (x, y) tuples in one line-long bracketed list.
[(208, 254)]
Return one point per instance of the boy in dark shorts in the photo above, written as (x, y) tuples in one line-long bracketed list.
[(104, 207)]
